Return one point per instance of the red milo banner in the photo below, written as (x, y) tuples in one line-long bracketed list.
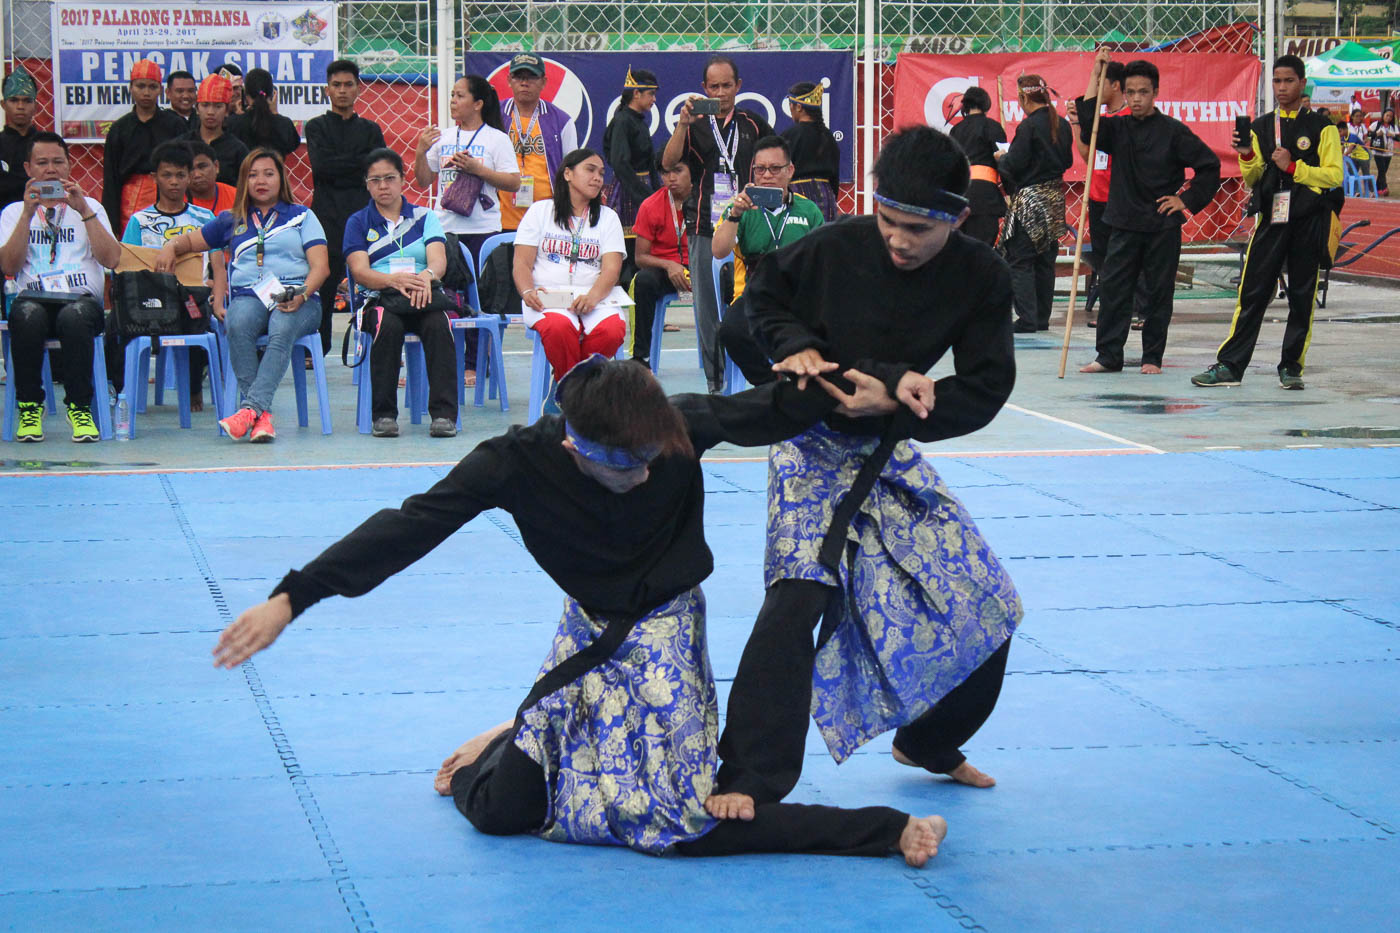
[(1204, 91)]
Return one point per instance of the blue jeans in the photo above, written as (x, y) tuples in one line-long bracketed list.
[(247, 320)]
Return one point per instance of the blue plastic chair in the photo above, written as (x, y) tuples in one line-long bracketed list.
[(101, 399), (734, 380), (415, 380), (490, 358), (1355, 184), (176, 349), (658, 326), (304, 348)]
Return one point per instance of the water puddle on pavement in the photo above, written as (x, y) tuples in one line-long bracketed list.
[(1157, 405), (1351, 432), (38, 466)]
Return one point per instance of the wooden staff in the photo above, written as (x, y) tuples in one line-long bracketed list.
[(1083, 226)]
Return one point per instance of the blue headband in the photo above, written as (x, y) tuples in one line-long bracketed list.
[(949, 206), (614, 458)]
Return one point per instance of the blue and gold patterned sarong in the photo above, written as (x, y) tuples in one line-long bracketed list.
[(926, 601), (628, 749)]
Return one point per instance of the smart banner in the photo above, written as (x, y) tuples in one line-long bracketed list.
[(95, 46), (588, 86), (1204, 91)]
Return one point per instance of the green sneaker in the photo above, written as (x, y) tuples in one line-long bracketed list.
[(1287, 380), (31, 422), (84, 430), (1218, 375)]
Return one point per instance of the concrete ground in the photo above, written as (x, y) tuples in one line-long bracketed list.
[(1351, 400)]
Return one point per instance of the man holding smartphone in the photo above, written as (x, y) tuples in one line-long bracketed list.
[(720, 150), (1292, 221), (763, 218)]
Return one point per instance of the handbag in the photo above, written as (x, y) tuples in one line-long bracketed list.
[(155, 304), (462, 195)]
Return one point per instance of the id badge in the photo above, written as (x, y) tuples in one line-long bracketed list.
[(1281, 202), (525, 196), (268, 290), (404, 264), (56, 281), (724, 193)]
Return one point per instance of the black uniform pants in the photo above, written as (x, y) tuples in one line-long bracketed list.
[(649, 285), (387, 349), (1131, 255), (328, 289), (984, 227), (1032, 279), (1273, 248), (765, 730), (737, 339), (1099, 233), (503, 793), (75, 325)]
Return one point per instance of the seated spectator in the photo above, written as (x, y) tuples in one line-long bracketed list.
[(58, 248), (211, 115), (663, 257), (20, 93), (170, 216), (260, 126), (568, 253), (752, 233), (205, 188), (180, 93), (127, 185), (396, 254), (279, 261)]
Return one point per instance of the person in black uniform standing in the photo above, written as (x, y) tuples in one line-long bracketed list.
[(629, 152), (259, 124), (816, 156), (128, 184), (1292, 221), (1146, 208), (978, 135), (20, 94), (1033, 170), (337, 143)]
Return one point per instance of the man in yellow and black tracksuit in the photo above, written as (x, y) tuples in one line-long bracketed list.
[(1293, 219)]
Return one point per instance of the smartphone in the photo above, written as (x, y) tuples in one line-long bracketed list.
[(1242, 129), (50, 189), (705, 106), (769, 198)]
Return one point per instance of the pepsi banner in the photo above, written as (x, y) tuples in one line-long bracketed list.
[(588, 86)]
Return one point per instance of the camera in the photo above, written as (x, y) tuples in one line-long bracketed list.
[(765, 197), (705, 106), (286, 294), (50, 190)]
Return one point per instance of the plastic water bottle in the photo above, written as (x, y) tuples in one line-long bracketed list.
[(123, 418)]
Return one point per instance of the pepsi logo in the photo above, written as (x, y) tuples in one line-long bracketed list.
[(562, 89)]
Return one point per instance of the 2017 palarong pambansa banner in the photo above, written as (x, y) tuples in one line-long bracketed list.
[(588, 86), (1204, 91), (96, 44)]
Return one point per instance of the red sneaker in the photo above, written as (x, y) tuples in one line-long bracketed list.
[(262, 430), (237, 424)]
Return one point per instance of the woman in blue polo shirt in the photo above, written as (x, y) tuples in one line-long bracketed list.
[(396, 253), (278, 248)]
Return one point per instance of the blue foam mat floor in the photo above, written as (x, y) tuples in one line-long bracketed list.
[(1198, 726)]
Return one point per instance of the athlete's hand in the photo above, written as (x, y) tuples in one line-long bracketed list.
[(252, 631), (1282, 157), (1170, 204), (804, 364), (916, 391)]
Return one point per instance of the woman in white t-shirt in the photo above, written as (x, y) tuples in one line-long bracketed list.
[(473, 145), (568, 254)]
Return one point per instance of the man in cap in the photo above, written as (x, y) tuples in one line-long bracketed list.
[(337, 142), (541, 133), (211, 107), (127, 180), (20, 95)]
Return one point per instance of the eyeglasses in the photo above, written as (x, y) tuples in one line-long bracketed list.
[(770, 169), (378, 180)]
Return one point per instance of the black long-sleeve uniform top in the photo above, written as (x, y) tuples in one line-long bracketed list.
[(837, 291), (815, 153), (284, 137), (336, 148), (630, 154), (1035, 157), (702, 153), (127, 152), (14, 149), (978, 135), (229, 150), (1150, 158), (617, 554)]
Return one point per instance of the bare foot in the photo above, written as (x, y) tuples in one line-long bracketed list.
[(468, 753), (920, 840), (901, 757), (469, 378), (1096, 367), (1151, 369), (196, 401), (730, 806), (965, 773)]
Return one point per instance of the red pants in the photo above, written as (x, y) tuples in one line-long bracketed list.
[(565, 345)]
